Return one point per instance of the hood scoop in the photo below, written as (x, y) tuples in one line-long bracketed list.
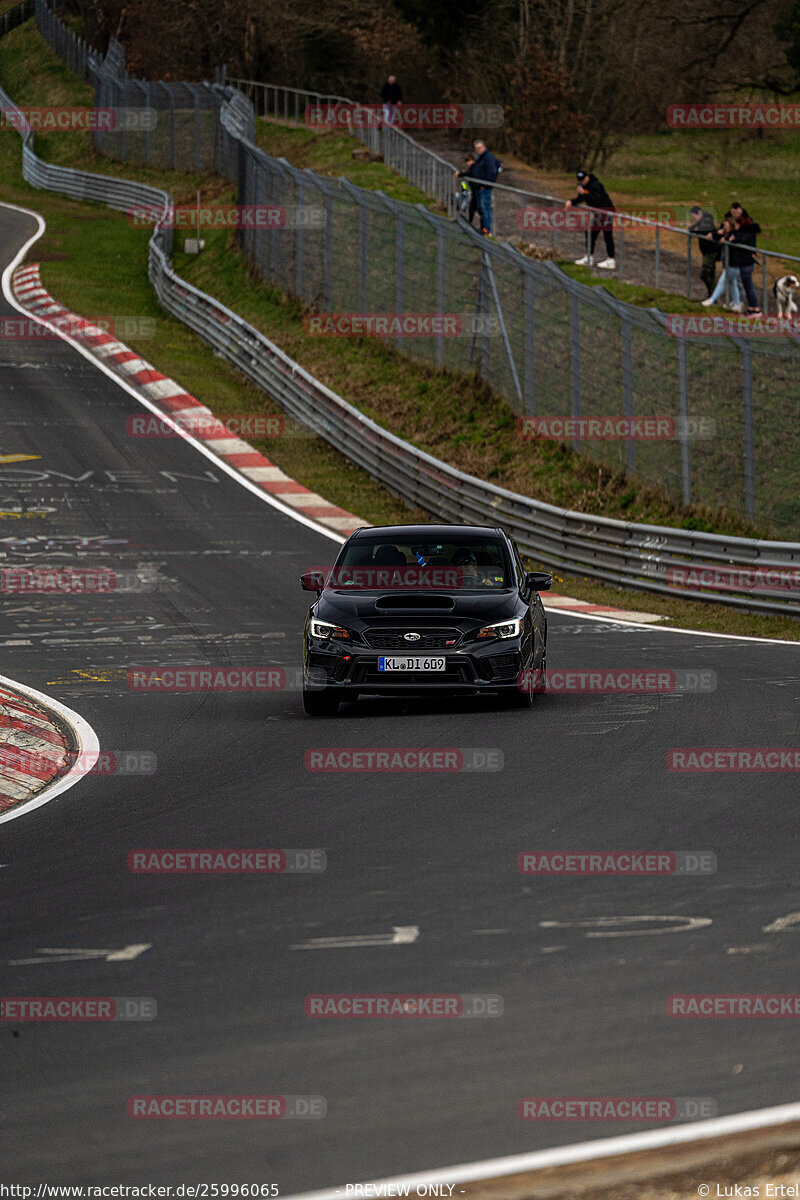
[(418, 601)]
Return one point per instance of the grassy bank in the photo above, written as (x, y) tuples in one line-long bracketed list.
[(94, 261)]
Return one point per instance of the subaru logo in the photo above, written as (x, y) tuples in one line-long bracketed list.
[(411, 637)]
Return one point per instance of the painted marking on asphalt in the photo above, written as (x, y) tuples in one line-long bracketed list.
[(783, 923), (12, 458), (401, 935), (65, 954), (608, 927)]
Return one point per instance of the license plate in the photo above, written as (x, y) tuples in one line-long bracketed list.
[(411, 664)]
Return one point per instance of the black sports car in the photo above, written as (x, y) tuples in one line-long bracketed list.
[(420, 609)]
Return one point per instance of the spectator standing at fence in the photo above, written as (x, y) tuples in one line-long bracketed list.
[(703, 226), (391, 96), (464, 175), (485, 167), (730, 273), (592, 193), (747, 230)]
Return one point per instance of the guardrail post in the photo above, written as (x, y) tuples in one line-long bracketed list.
[(747, 429), (529, 332), (575, 359), (627, 390), (683, 404)]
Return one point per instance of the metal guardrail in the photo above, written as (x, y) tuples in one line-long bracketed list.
[(612, 551)]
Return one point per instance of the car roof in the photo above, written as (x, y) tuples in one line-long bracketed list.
[(415, 532)]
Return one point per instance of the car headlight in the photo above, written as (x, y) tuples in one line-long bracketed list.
[(503, 629), (324, 629)]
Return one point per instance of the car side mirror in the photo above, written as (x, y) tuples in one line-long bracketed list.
[(312, 581), (539, 581)]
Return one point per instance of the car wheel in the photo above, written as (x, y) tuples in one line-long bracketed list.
[(320, 704)]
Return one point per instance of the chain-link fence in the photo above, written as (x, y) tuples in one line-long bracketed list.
[(553, 347)]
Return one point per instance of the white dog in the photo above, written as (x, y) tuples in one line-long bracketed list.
[(783, 290)]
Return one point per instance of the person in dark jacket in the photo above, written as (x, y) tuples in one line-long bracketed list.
[(485, 167), (747, 231), (730, 274), (391, 96), (592, 193), (465, 174), (703, 226)]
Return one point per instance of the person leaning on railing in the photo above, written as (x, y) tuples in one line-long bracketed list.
[(703, 226), (730, 277), (592, 193), (746, 232)]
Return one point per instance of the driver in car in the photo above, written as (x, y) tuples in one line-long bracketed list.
[(472, 574)]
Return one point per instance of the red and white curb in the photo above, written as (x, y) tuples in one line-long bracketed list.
[(45, 747), (33, 750), (178, 404), (552, 600)]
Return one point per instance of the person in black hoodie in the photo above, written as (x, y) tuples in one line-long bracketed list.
[(746, 232), (391, 96), (592, 193)]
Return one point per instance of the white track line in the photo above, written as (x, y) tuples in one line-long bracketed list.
[(266, 497), (246, 483), (560, 1156), (87, 749)]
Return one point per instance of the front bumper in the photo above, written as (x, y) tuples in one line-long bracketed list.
[(468, 671)]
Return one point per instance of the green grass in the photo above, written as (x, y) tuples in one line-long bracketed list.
[(713, 168), (95, 262), (331, 153)]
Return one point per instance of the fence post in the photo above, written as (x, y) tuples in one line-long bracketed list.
[(299, 239), (399, 271), (440, 282), (658, 255), (765, 305), (196, 99), (683, 402), (627, 390), (327, 254), (688, 267), (747, 430), (529, 332), (363, 234), (575, 359)]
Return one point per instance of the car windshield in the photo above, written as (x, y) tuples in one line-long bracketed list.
[(378, 562)]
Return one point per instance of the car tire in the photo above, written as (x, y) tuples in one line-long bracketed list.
[(320, 704)]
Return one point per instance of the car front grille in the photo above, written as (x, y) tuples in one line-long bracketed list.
[(394, 639)]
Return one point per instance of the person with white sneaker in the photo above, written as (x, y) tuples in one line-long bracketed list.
[(592, 193)]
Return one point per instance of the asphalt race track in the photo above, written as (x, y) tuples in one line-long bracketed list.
[(584, 1015)]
